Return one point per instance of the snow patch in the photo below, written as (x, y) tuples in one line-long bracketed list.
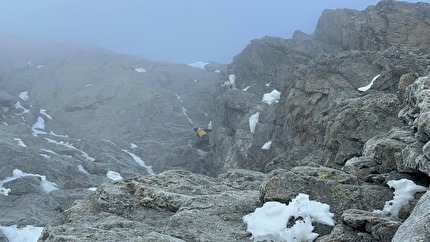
[(269, 223), (46, 185), (28, 233), (113, 175), (266, 145), (365, 88), (404, 191), (24, 95), (199, 65), (253, 120), (271, 97), (140, 162), (139, 70), (20, 142)]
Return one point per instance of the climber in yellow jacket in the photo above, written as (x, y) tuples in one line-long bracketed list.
[(203, 137)]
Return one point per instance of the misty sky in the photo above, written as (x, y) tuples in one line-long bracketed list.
[(166, 30)]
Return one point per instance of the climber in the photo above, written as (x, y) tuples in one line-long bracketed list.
[(203, 138)]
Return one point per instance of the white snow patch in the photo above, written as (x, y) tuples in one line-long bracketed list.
[(59, 135), (43, 111), (199, 64), (179, 97), (269, 223), (93, 189), (70, 146), (139, 70), (253, 120), (20, 142), (133, 146), (19, 106), (40, 66), (140, 162), (195, 81), (113, 175), (267, 84), (88, 85), (271, 97), (45, 156), (266, 145), (246, 88), (24, 95), (49, 151), (81, 169), (46, 185), (365, 88), (404, 191), (184, 111), (28, 233), (38, 127), (217, 71), (106, 140)]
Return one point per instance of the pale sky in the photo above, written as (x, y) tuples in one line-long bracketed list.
[(181, 31)]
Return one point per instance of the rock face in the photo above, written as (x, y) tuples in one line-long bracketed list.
[(171, 206), (352, 115), (321, 116)]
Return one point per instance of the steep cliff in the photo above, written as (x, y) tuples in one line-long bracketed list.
[(321, 116)]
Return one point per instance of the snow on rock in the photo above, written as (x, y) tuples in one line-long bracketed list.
[(253, 120), (70, 146), (139, 70), (28, 233), (20, 142), (24, 95), (38, 127), (19, 106), (271, 97), (404, 191), (140, 162), (365, 88), (246, 88), (199, 64), (270, 221), (266, 145), (43, 111), (113, 175), (81, 169), (46, 185), (133, 146)]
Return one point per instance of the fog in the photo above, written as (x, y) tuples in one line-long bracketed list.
[(166, 30)]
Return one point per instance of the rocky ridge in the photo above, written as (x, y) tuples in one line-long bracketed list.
[(329, 140)]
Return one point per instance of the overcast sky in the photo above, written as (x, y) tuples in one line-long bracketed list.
[(166, 30)]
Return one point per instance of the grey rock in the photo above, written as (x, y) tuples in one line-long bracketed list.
[(415, 228), (174, 205), (359, 225), (336, 188), (377, 27)]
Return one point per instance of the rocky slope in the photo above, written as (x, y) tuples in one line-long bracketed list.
[(330, 138), (72, 118)]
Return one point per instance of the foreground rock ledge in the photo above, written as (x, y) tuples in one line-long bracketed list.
[(172, 206)]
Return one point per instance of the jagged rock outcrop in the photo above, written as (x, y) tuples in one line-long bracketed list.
[(321, 116), (171, 206)]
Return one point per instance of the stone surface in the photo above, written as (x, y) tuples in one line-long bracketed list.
[(173, 205), (415, 228)]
